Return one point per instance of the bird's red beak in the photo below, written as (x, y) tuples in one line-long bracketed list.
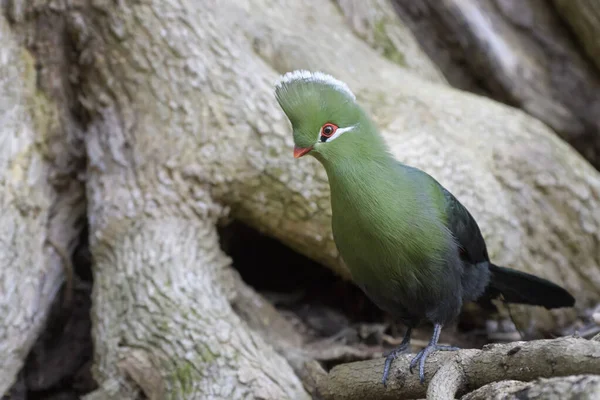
[(300, 151)]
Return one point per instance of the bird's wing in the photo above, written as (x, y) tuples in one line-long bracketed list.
[(459, 221), (465, 229)]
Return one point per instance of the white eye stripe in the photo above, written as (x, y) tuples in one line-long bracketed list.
[(337, 134)]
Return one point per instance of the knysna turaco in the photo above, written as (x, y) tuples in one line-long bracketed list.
[(409, 244)]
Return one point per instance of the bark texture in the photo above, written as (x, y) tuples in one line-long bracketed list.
[(375, 22), (519, 52), (37, 213), (164, 321)]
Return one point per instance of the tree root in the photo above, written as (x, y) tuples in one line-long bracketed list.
[(449, 374), (263, 318), (570, 387)]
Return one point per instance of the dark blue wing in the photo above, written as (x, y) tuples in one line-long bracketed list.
[(466, 231)]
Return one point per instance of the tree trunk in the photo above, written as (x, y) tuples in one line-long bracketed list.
[(163, 318), (171, 104)]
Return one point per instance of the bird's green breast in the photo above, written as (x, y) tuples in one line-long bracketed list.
[(388, 225)]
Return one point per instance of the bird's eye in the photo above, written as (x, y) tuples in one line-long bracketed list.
[(327, 131)]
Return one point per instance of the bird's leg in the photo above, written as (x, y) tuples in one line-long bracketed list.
[(394, 353), (431, 347)]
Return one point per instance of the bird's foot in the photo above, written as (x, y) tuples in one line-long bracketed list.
[(391, 357), (422, 355)]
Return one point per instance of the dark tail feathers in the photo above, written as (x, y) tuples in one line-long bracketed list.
[(521, 288)]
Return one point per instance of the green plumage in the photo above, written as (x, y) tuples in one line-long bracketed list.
[(407, 241), (389, 226)]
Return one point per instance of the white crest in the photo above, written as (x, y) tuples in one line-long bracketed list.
[(319, 77)]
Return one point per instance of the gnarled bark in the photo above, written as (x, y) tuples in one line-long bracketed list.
[(166, 324)]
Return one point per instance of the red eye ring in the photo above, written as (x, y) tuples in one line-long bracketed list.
[(328, 130)]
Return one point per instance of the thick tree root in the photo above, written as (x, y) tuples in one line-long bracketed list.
[(262, 317), (451, 374)]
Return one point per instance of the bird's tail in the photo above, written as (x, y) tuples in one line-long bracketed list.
[(522, 288)]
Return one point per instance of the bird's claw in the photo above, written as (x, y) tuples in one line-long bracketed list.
[(422, 355), (388, 361), (415, 359)]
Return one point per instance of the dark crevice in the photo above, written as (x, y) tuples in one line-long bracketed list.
[(326, 303), (82, 258), (291, 280), (58, 365)]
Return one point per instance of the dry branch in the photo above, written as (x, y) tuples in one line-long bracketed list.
[(448, 373)]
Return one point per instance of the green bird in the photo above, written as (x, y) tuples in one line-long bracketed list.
[(408, 243)]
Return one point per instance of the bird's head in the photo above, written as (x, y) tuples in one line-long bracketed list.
[(326, 119)]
